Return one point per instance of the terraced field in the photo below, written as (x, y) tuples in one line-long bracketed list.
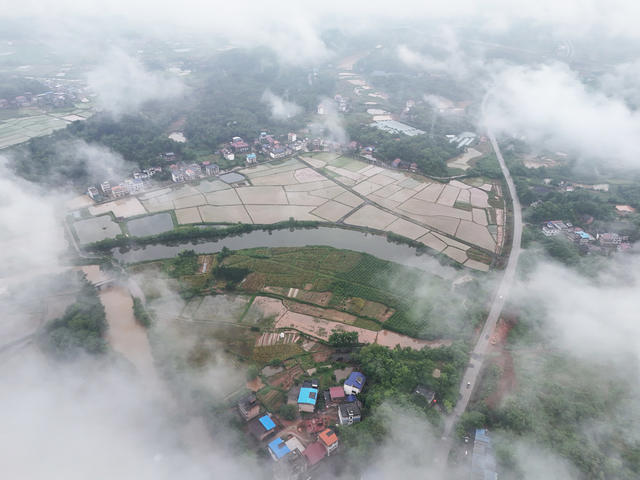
[(448, 218)]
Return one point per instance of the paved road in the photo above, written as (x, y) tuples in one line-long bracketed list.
[(472, 372)]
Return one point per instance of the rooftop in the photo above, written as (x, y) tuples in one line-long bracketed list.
[(308, 395), (356, 379), (315, 452), (349, 410), (267, 423), (278, 448), (336, 392), (393, 126), (328, 437)]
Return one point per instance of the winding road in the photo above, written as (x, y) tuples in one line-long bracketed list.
[(472, 373)]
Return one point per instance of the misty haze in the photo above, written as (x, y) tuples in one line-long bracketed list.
[(344, 240)]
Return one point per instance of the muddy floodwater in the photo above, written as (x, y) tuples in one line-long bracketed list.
[(376, 245), (125, 335), (130, 339)]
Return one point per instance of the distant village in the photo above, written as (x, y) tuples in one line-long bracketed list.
[(264, 148), (61, 94), (602, 243)]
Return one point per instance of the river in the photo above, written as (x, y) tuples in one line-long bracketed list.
[(376, 245), (129, 338)]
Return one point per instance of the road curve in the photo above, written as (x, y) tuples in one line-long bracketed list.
[(472, 373)]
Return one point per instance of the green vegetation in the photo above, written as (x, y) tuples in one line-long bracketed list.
[(13, 86), (556, 395), (572, 207), (232, 275), (288, 412), (80, 329), (429, 153), (343, 339), (392, 374), (266, 354), (425, 306), (140, 313), (185, 263), (252, 372), (224, 101)]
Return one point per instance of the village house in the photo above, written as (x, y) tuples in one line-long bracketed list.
[(262, 427), (349, 413), (329, 440), (249, 407), (354, 383), (228, 154), (609, 239), (292, 137), (426, 393), (314, 453), (553, 228), (278, 448), (580, 237), (307, 399), (134, 186), (211, 169), (106, 188), (239, 145), (93, 192), (251, 159), (278, 151), (336, 395), (119, 191), (177, 174)]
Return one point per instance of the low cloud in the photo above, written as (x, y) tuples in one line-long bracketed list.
[(622, 82), (31, 236), (549, 105), (97, 420), (330, 124), (591, 317), (97, 161), (123, 84), (281, 109)]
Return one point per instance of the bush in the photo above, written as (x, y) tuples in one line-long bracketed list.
[(343, 339), (252, 372), (288, 412), (140, 313)]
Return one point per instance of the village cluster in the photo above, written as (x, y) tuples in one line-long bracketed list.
[(61, 94), (588, 243), (298, 450), (264, 148)]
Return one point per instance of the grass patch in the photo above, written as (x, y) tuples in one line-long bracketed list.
[(479, 256), (264, 355), (463, 206)]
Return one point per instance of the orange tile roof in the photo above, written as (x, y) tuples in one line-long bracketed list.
[(328, 437)]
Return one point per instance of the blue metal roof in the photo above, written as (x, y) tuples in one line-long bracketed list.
[(267, 423), (356, 379), (350, 398), (308, 395), (279, 448)]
